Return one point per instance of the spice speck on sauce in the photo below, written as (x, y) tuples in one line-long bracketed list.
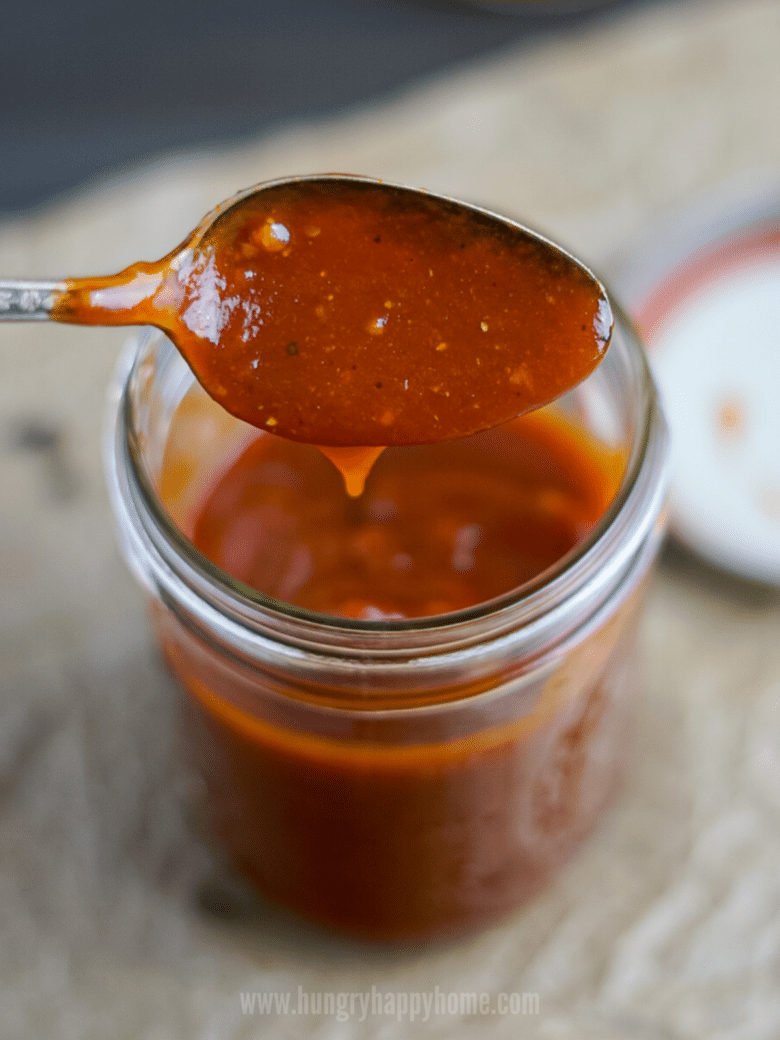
[(377, 326), (273, 235)]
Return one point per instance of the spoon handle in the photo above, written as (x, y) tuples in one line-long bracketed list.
[(28, 300)]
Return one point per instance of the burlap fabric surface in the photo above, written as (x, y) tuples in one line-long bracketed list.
[(114, 922)]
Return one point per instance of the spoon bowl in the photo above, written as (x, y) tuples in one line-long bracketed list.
[(347, 312)]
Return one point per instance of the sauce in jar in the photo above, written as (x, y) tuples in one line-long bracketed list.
[(402, 828)]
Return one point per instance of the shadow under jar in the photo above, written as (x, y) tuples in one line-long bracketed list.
[(397, 779)]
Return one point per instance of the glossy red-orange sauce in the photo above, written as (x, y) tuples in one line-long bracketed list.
[(349, 314), (438, 528), (374, 317)]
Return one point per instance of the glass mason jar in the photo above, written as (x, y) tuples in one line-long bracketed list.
[(392, 779)]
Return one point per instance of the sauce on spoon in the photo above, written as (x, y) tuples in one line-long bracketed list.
[(353, 315)]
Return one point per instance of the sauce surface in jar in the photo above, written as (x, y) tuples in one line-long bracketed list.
[(438, 528)]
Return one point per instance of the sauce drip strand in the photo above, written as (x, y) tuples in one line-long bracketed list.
[(350, 314)]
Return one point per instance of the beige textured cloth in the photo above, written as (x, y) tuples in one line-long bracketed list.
[(113, 923)]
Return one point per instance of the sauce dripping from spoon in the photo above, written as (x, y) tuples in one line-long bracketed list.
[(352, 314)]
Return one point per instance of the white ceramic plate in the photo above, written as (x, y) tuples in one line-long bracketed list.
[(710, 315)]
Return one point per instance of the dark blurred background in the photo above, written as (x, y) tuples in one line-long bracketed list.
[(90, 85)]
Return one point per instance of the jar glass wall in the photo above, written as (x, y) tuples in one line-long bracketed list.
[(396, 779)]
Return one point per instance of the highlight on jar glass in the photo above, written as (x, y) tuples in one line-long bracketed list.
[(408, 708)]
